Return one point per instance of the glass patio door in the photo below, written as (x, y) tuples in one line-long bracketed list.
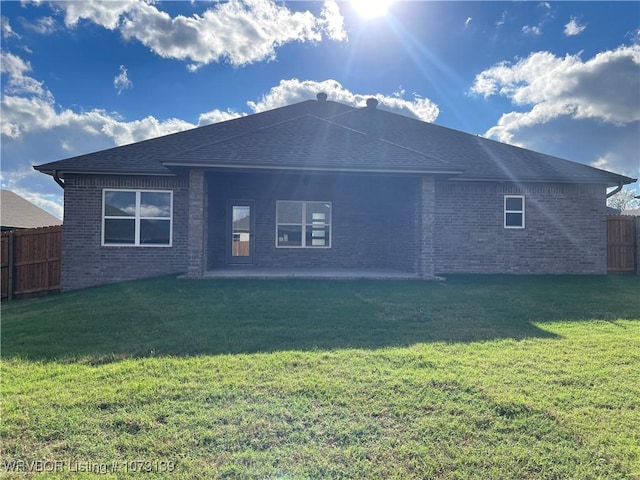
[(240, 229)]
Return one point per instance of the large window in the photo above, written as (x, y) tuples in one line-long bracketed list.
[(303, 224), (513, 211), (137, 218)]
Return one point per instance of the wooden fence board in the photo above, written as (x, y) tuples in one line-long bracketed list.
[(621, 244), (31, 262)]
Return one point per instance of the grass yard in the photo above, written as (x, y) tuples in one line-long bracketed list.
[(472, 378)]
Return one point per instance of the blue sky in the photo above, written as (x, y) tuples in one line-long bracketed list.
[(558, 77)]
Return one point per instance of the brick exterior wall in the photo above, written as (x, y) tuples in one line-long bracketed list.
[(565, 229), (86, 263), (411, 223), (372, 219)]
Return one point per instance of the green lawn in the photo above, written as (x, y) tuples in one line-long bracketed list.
[(474, 378)]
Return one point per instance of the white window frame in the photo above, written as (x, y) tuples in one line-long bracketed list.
[(303, 224), (522, 212), (137, 217)]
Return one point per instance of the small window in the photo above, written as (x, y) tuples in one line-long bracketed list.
[(513, 211), (303, 224), (137, 218)]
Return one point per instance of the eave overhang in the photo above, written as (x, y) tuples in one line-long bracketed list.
[(609, 182), (308, 169)]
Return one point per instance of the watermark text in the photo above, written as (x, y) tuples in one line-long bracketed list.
[(74, 465)]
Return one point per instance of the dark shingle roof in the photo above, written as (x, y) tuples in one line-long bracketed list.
[(480, 158), (311, 143), (332, 136), (147, 157)]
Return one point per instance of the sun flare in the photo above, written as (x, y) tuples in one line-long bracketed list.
[(371, 8)]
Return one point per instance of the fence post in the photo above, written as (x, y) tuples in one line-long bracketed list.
[(10, 267)]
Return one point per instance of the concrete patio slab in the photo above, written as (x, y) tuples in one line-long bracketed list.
[(310, 273)]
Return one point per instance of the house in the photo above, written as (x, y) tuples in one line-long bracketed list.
[(633, 212), (17, 213), (319, 184)]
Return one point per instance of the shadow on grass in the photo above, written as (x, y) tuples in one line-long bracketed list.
[(170, 317)]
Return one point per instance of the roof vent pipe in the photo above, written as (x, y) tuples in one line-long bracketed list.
[(372, 103), (322, 97)]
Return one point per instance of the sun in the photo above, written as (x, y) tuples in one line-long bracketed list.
[(371, 8)]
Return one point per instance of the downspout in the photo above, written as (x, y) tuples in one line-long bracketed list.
[(610, 194), (59, 181)]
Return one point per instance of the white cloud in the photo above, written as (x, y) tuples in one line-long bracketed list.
[(606, 87), (600, 95), (44, 25), (546, 15), (573, 28), (7, 31), (294, 90), (18, 81), (121, 81), (611, 161), (123, 133), (106, 14), (333, 21), (531, 30), (215, 116), (240, 32)]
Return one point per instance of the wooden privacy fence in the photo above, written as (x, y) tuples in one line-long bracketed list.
[(31, 262), (622, 244)]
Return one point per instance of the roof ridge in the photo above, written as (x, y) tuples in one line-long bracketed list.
[(326, 120), (384, 140), (389, 141), (416, 151)]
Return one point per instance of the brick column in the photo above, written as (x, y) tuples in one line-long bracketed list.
[(196, 246), (425, 213)]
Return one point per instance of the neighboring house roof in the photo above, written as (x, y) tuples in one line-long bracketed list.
[(16, 212), (325, 135), (633, 212)]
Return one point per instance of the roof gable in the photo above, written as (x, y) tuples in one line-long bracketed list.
[(312, 143)]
